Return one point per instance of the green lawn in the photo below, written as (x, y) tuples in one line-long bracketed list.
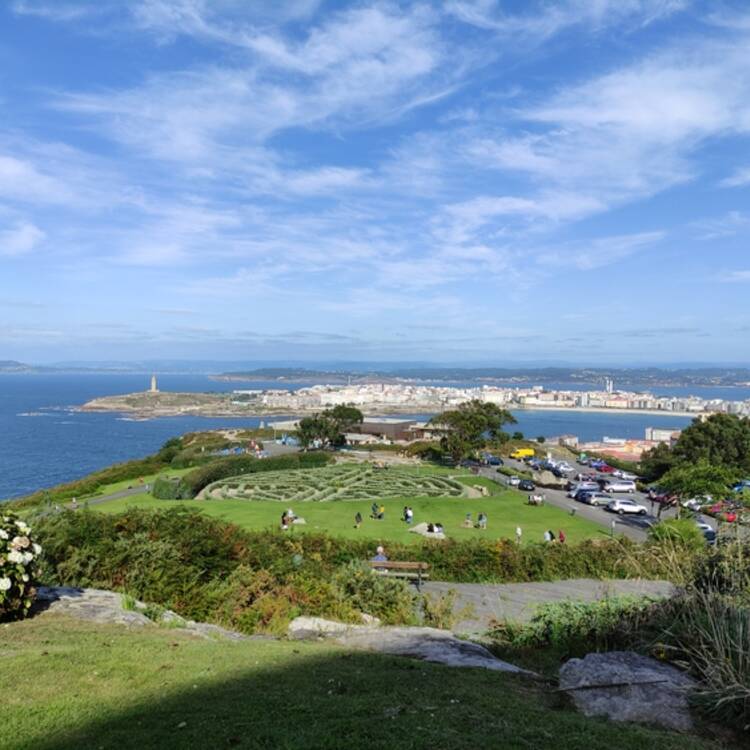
[(505, 511), (68, 685)]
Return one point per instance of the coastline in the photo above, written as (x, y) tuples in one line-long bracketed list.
[(223, 408)]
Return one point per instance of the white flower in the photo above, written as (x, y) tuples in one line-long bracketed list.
[(37, 549), (20, 541), (5, 584), (3, 534), (15, 556), (22, 527), (25, 578), (27, 557)]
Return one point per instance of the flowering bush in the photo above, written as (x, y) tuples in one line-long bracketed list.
[(19, 568)]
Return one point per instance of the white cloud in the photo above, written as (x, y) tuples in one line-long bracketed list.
[(735, 277), (20, 239), (732, 223), (739, 178), (544, 20), (599, 252)]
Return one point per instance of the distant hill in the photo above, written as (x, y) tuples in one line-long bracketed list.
[(11, 365)]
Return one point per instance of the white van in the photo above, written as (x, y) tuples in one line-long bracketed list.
[(619, 485)]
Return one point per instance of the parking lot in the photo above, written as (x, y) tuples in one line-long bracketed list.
[(632, 526)]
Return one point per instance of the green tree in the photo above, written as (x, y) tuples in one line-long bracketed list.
[(329, 426), (656, 462), (721, 440), (697, 480), (466, 428)]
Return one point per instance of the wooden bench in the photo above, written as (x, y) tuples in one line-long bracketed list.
[(412, 571)]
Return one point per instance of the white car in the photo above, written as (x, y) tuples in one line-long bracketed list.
[(514, 481), (623, 505), (619, 485), (620, 474), (696, 503)]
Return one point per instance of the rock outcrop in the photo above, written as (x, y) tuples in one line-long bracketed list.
[(428, 644), (625, 686), (106, 607)]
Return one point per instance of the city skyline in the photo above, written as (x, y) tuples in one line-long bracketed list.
[(476, 181)]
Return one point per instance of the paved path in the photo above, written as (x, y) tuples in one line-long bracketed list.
[(517, 601)]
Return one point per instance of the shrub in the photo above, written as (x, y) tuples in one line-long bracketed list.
[(576, 627), (682, 531), (369, 592), (166, 488), (19, 569)]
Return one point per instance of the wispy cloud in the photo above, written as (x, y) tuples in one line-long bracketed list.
[(20, 239)]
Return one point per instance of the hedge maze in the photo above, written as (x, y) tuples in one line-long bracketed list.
[(334, 483)]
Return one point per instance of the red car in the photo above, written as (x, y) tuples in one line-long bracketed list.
[(606, 469)]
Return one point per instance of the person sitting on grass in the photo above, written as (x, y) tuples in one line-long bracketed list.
[(381, 512), (482, 521), (468, 523), (357, 520), (374, 510), (380, 555), (439, 528)]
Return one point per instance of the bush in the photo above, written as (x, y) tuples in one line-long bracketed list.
[(682, 531), (390, 599), (19, 568), (166, 488), (575, 627)]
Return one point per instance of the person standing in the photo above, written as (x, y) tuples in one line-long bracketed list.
[(409, 515), (357, 520), (519, 533), (561, 536)]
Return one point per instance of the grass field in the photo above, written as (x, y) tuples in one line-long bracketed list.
[(68, 685), (505, 511)]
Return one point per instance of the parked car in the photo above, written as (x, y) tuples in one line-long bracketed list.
[(607, 469), (620, 474), (594, 498), (565, 466), (618, 485), (469, 463), (494, 461), (559, 473), (742, 485), (709, 533), (624, 505), (534, 464), (526, 485), (590, 486), (696, 503), (514, 481)]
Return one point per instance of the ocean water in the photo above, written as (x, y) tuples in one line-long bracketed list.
[(43, 441)]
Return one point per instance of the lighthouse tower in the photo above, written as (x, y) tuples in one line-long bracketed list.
[(153, 388)]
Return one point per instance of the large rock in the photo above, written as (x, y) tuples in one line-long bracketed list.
[(428, 644), (625, 686)]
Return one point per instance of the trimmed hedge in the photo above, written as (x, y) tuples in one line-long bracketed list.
[(232, 466), (166, 488)]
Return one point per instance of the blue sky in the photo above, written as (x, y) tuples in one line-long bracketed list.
[(478, 181)]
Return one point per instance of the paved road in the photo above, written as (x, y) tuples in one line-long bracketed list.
[(518, 601), (633, 527)]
